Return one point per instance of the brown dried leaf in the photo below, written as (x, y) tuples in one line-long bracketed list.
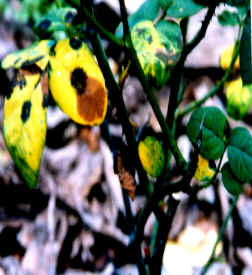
[(126, 177)]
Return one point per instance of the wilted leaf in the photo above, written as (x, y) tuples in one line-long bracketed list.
[(214, 131), (240, 154), (77, 83), (24, 126), (239, 99), (151, 155), (126, 176), (158, 49), (232, 185)]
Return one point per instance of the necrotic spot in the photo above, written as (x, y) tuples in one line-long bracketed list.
[(45, 101), (75, 43), (45, 24), (78, 80), (26, 109)]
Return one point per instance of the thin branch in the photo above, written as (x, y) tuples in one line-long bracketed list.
[(220, 236)]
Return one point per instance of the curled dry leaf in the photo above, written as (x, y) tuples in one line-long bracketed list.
[(126, 176)]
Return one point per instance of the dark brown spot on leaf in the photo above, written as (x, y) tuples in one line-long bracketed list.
[(78, 80), (75, 43), (26, 110)]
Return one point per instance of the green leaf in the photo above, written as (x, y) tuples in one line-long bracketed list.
[(24, 125), (147, 11), (245, 53), (240, 154), (215, 127), (182, 8), (158, 49), (165, 4), (232, 185), (238, 3), (227, 18)]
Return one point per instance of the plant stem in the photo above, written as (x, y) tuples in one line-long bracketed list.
[(168, 136), (220, 236), (216, 89)]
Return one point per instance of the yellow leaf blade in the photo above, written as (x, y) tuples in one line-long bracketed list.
[(24, 125)]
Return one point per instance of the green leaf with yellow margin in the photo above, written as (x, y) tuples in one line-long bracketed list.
[(151, 155), (24, 125), (203, 171), (37, 53), (76, 82), (239, 98), (158, 49)]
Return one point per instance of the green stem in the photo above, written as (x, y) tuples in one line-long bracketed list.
[(168, 136), (96, 25), (216, 89), (220, 236)]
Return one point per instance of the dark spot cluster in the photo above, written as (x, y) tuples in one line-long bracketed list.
[(26, 110), (45, 24), (75, 43), (70, 17), (78, 80), (45, 101)]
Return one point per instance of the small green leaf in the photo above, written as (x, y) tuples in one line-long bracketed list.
[(232, 185), (240, 154), (158, 49), (238, 3), (147, 11), (214, 130), (227, 18), (182, 8), (245, 53)]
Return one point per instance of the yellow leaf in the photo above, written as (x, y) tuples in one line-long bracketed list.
[(203, 171), (37, 53), (239, 98), (24, 125), (226, 59), (151, 155), (77, 83)]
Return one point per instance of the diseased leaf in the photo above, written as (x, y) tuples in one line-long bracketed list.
[(239, 99), (147, 11), (182, 8), (245, 53), (158, 49), (227, 18), (24, 125), (151, 155), (214, 131), (226, 58), (37, 53), (232, 185), (203, 171), (240, 154), (77, 83)]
